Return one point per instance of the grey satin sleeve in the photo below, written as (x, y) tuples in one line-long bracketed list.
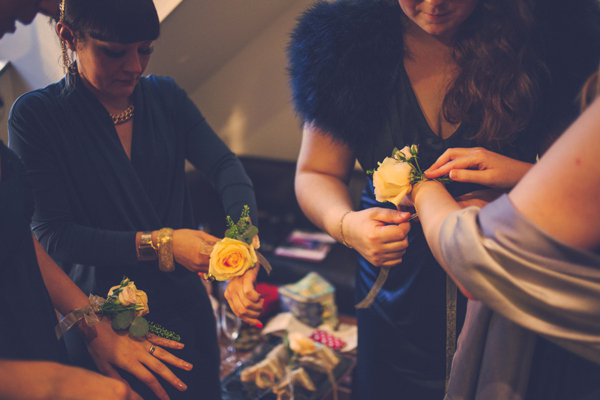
[(525, 275)]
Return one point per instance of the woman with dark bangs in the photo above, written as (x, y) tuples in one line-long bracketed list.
[(370, 76), (105, 149)]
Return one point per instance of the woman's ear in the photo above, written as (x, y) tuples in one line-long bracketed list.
[(66, 34)]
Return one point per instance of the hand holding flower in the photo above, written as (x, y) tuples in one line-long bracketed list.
[(378, 234), (396, 175), (190, 249)]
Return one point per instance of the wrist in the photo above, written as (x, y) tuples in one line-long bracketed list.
[(87, 332), (166, 260), (146, 245), (341, 230), (424, 187)]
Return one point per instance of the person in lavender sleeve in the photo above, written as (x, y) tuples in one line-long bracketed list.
[(529, 263)]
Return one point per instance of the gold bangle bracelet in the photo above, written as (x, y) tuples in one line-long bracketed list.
[(342, 229), (166, 262), (146, 250)]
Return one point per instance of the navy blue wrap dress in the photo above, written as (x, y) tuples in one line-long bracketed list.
[(91, 199)]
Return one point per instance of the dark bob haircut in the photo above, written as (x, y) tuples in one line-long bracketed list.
[(119, 21)]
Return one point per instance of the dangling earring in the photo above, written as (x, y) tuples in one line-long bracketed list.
[(67, 67)]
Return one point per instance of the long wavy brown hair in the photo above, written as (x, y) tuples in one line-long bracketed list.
[(496, 88)]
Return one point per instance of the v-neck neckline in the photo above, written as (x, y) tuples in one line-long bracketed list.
[(420, 115)]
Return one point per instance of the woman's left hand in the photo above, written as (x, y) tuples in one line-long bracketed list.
[(478, 165), (243, 298), (110, 349)]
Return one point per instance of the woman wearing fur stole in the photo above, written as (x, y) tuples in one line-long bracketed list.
[(371, 75)]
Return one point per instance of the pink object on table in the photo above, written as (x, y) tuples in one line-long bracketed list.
[(327, 339)]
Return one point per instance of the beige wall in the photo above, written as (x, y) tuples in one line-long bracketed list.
[(34, 55), (247, 101)]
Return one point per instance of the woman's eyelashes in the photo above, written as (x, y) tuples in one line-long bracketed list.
[(144, 51), (113, 54)]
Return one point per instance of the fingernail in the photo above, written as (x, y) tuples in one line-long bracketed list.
[(259, 325), (188, 366), (182, 386)]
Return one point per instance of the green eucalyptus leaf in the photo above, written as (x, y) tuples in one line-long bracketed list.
[(250, 232), (122, 320), (139, 327)]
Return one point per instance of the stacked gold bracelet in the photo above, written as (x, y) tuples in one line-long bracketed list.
[(166, 261)]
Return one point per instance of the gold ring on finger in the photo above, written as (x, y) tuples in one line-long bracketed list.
[(151, 351)]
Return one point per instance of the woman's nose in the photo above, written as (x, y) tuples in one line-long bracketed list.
[(133, 62), (435, 3)]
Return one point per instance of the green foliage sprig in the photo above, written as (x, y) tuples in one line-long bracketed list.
[(417, 174), (123, 317), (243, 231), (162, 332)]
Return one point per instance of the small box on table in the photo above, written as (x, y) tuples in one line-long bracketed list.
[(311, 300)]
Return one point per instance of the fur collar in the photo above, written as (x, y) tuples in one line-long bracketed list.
[(343, 59)]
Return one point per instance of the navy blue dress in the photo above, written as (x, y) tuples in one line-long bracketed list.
[(27, 315), (90, 200)]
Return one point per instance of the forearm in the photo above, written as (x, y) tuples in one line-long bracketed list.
[(235, 188), (65, 295), (324, 199), (30, 379), (434, 204), (33, 380), (74, 243)]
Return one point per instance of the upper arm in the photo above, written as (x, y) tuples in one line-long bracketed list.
[(321, 154), (560, 193)]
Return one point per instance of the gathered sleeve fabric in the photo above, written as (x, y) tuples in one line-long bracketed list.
[(210, 155), (526, 276)]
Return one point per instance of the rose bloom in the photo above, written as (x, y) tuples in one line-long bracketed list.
[(392, 180), (301, 344), (256, 242), (141, 300), (406, 151), (230, 258), (127, 295)]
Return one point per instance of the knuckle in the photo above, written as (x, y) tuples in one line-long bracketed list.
[(120, 390), (149, 379)]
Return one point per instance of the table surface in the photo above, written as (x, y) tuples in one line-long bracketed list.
[(344, 382)]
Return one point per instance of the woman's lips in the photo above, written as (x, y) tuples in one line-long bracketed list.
[(436, 16), (128, 82)]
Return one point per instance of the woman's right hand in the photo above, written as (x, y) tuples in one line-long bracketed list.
[(191, 249), (378, 234)]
